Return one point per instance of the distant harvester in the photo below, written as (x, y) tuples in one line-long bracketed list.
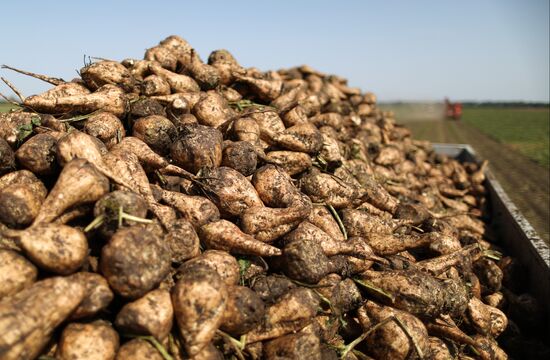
[(453, 110)]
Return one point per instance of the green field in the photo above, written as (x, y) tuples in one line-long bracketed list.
[(525, 130), (4, 107)]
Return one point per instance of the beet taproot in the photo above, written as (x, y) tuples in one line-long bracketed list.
[(134, 261)]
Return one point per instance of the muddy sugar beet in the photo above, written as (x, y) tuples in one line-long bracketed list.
[(183, 206)]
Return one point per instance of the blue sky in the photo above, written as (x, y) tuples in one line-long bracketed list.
[(401, 50)]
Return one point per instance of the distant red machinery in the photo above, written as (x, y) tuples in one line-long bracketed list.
[(453, 110)]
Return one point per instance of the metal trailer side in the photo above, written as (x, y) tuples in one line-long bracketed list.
[(516, 234)]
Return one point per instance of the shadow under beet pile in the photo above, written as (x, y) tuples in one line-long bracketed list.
[(169, 208)]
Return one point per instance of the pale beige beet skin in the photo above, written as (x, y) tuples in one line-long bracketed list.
[(151, 314), (163, 55), (486, 319), (265, 90), (79, 183), (145, 107), (108, 72), (11, 123), (19, 205), (362, 223), (325, 188), (292, 162), (98, 295), (230, 191), (332, 150), (390, 341), (445, 327), (180, 119), (224, 235), (38, 154), (271, 287), (106, 127), (304, 260), (295, 115), (109, 206), (192, 98), (388, 156), (177, 82), (387, 244), (198, 210), (197, 146), (377, 195), (330, 246), (183, 241), (346, 296), (275, 187), (292, 312), (246, 129), (212, 110), (241, 156), (134, 261), (439, 349), (208, 77), (91, 341), (462, 258), (126, 167), (419, 293), (243, 312), (177, 109), (154, 85), (321, 217), (209, 352), (223, 263), (294, 346), (23, 177), (269, 124), (269, 224), (288, 97), (108, 98), (199, 300), (28, 318), (301, 137), (138, 349), (230, 94), (441, 244), (148, 159), (16, 273), (156, 131), (53, 247), (488, 348), (66, 89), (226, 65), (79, 145)]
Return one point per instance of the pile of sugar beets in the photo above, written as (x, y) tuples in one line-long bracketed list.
[(169, 208)]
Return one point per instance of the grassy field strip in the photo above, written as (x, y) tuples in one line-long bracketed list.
[(524, 130), (5, 107)]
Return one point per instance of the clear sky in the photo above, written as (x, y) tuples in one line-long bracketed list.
[(401, 50)]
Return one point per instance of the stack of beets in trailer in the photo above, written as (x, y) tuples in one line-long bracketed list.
[(168, 208)]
